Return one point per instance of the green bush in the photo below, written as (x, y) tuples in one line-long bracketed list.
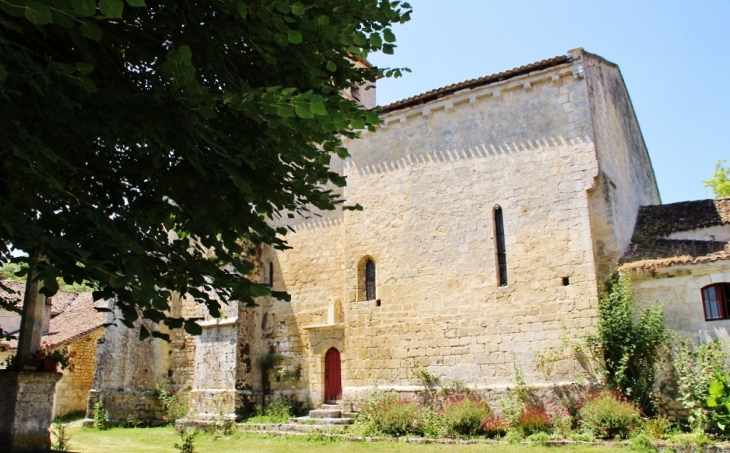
[(607, 416), (717, 406), (695, 368), (534, 421), (630, 351), (278, 411), (175, 402), (656, 428), (463, 415), (386, 414)]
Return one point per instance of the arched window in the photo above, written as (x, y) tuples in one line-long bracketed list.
[(715, 301), (370, 280), (500, 247)]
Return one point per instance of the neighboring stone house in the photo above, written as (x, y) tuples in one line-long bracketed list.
[(680, 256), (493, 211), (75, 325)]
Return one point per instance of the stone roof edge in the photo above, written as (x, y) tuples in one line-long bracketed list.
[(439, 93)]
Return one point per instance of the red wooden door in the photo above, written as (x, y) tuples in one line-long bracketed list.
[(332, 376)]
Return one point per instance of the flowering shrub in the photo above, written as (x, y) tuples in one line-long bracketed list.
[(175, 402), (388, 415), (695, 368), (560, 418), (63, 356), (494, 427), (534, 420), (463, 415), (606, 415)]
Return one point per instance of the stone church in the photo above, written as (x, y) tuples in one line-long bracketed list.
[(493, 209)]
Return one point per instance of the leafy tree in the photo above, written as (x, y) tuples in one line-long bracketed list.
[(630, 350), (146, 147), (720, 181)]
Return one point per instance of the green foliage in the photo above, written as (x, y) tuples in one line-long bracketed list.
[(607, 416), (538, 438), (642, 443), (174, 402), (656, 427), (9, 271), (630, 350), (187, 441), (60, 436), (278, 411), (463, 415), (693, 441), (143, 153), (386, 414), (717, 405), (695, 368), (101, 416), (132, 421), (720, 181)]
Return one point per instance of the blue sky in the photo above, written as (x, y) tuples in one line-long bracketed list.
[(674, 57)]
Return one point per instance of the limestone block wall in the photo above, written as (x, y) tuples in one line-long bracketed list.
[(678, 289), (429, 181), (626, 180), (72, 390), (126, 372)]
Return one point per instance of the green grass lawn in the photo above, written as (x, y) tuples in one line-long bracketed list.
[(133, 440)]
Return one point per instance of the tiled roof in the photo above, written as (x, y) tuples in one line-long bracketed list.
[(59, 301), (665, 219), (473, 83), (649, 248), (77, 319)]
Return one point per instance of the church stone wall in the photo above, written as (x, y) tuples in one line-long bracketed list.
[(428, 182), (626, 181)]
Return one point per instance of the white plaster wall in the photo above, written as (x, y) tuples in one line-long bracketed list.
[(678, 289)]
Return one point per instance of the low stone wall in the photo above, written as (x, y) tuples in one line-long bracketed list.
[(26, 403), (144, 405), (569, 394)]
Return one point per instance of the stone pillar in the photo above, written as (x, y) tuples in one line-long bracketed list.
[(26, 406)]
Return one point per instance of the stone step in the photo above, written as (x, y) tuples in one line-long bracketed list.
[(325, 413), (289, 428), (326, 421)]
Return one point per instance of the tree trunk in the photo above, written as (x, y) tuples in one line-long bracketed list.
[(31, 323)]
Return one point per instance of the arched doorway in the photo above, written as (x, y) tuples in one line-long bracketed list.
[(332, 376)]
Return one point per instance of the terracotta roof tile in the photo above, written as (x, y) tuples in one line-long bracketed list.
[(473, 83), (77, 320), (59, 302)]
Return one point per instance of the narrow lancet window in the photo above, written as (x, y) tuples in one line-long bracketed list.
[(501, 249), (271, 274), (370, 280)]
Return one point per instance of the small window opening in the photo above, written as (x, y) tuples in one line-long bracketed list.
[(566, 281), (355, 92), (370, 280), (377, 303), (271, 274), (501, 249)]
